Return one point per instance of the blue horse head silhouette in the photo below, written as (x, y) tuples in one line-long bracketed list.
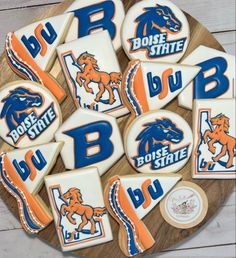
[(157, 134), (155, 19), (17, 104)]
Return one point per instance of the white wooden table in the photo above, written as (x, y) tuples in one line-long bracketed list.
[(217, 238)]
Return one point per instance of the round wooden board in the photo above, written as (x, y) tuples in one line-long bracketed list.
[(164, 234)]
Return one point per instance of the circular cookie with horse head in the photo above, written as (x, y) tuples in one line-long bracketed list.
[(155, 30), (158, 142), (29, 114)]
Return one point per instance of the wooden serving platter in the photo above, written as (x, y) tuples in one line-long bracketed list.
[(164, 234)]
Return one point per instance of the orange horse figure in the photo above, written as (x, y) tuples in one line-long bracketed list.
[(91, 73), (75, 206), (219, 134)]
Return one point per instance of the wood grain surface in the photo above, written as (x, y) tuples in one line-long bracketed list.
[(164, 234)]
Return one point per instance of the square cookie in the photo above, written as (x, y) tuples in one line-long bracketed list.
[(93, 73), (214, 139), (78, 208)]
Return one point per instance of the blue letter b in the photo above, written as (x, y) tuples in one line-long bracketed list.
[(106, 23), (220, 80), (81, 143)]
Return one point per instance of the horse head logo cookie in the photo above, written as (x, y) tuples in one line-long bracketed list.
[(157, 134), (29, 114), (156, 137), (76, 206), (158, 141), (91, 73), (17, 105), (157, 19), (155, 30)]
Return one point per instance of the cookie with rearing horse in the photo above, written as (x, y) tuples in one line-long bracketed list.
[(220, 133), (78, 208), (90, 72), (75, 206)]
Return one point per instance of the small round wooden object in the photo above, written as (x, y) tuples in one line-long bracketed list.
[(198, 211), (164, 234)]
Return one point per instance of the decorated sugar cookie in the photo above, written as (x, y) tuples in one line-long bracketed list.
[(78, 209), (29, 114), (21, 173), (215, 80), (31, 50), (93, 74), (155, 30), (159, 141), (90, 139), (185, 206), (149, 86), (134, 237), (144, 192), (214, 139), (91, 16)]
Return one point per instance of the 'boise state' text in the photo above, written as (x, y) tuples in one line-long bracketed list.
[(162, 157), (33, 126), (157, 45)]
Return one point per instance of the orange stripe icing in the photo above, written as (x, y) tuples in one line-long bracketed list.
[(123, 93), (139, 90), (122, 211), (33, 203)]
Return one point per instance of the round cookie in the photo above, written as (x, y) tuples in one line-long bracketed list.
[(29, 114), (155, 30), (185, 206), (158, 142)]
